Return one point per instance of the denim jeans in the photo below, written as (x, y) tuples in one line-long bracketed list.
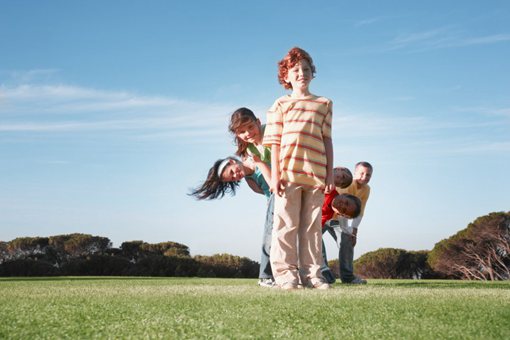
[(345, 251), (265, 271)]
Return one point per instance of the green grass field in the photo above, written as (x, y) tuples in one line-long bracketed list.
[(185, 308)]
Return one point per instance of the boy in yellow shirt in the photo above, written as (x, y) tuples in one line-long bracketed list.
[(345, 235)]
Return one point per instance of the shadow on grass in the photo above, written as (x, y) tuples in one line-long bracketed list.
[(170, 279), (86, 278)]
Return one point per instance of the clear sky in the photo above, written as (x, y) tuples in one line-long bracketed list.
[(110, 111)]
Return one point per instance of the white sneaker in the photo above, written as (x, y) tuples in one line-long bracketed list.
[(321, 285), (289, 286), (267, 283)]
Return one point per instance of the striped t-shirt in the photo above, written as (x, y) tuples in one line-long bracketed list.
[(299, 126)]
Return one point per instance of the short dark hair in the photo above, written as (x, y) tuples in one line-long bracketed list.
[(365, 164), (354, 199)]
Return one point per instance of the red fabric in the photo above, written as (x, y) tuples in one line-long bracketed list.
[(327, 211)]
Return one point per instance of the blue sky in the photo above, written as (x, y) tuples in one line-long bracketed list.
[(110, 111)]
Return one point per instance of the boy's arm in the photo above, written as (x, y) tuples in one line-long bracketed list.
[(276, 183), (330, 184), (355, 223)]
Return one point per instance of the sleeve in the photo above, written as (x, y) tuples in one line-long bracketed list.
[(356, 221), (274, 125), (327, 211), (364, 200), (328, 120)]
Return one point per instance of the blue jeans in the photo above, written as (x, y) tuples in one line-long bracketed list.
[(345, 251), (265, 271)]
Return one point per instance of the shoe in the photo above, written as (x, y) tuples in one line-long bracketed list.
[(289, 286), (321, 285), (267, 283), (358, 281), (318, 285), (328, 276)]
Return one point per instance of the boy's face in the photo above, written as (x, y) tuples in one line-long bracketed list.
[(344, 207), (362, 175), (300, 75), (341, 178)]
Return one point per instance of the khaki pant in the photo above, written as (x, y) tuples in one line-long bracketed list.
[(296, 245)]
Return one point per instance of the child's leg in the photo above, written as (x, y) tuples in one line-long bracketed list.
[(284, 252), (346, 258), (265, 266), (310, 235), (326, 272)]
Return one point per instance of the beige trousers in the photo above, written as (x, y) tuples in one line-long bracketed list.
[(296, 246)]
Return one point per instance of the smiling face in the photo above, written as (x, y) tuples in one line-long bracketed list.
[(250, 132), (233, 172), (300, 75), (362, 175)]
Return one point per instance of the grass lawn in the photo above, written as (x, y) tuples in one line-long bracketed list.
[(185, 308)]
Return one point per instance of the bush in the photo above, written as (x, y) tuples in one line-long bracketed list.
[(391, 263), (28, 267), (481, 251)]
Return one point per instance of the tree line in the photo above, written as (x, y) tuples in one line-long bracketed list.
[(83, 254), (481, 251)]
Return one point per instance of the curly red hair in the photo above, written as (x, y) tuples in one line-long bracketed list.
[(289, 61)]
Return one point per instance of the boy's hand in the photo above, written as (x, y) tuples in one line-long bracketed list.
[(330, 184), (354, 236), (277, 187)]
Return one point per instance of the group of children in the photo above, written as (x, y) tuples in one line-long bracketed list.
[(290, 161)]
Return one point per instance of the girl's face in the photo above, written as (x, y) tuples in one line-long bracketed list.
[(233, 172), (250, 132)]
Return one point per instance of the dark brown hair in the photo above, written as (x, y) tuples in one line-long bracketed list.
[(214, 187), (240, 117)]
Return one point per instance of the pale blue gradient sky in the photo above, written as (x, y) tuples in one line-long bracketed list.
[(110, 111)]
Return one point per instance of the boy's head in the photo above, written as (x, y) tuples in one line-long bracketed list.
[(342, 177), (293, 57), (346, 205), (363, 173)]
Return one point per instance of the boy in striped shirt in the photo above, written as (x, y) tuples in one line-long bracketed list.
[(299, 132)]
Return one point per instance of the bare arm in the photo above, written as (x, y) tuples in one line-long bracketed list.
[(254, 186), (330, 184), (264, 168), (276, 183)]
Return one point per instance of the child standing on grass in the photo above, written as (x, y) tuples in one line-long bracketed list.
[(299, 133), (345, 235), (248, 133)]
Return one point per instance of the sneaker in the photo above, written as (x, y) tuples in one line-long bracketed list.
[(328, 276), (289, 286), (358, 281), (267, 283), (321, 285)]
